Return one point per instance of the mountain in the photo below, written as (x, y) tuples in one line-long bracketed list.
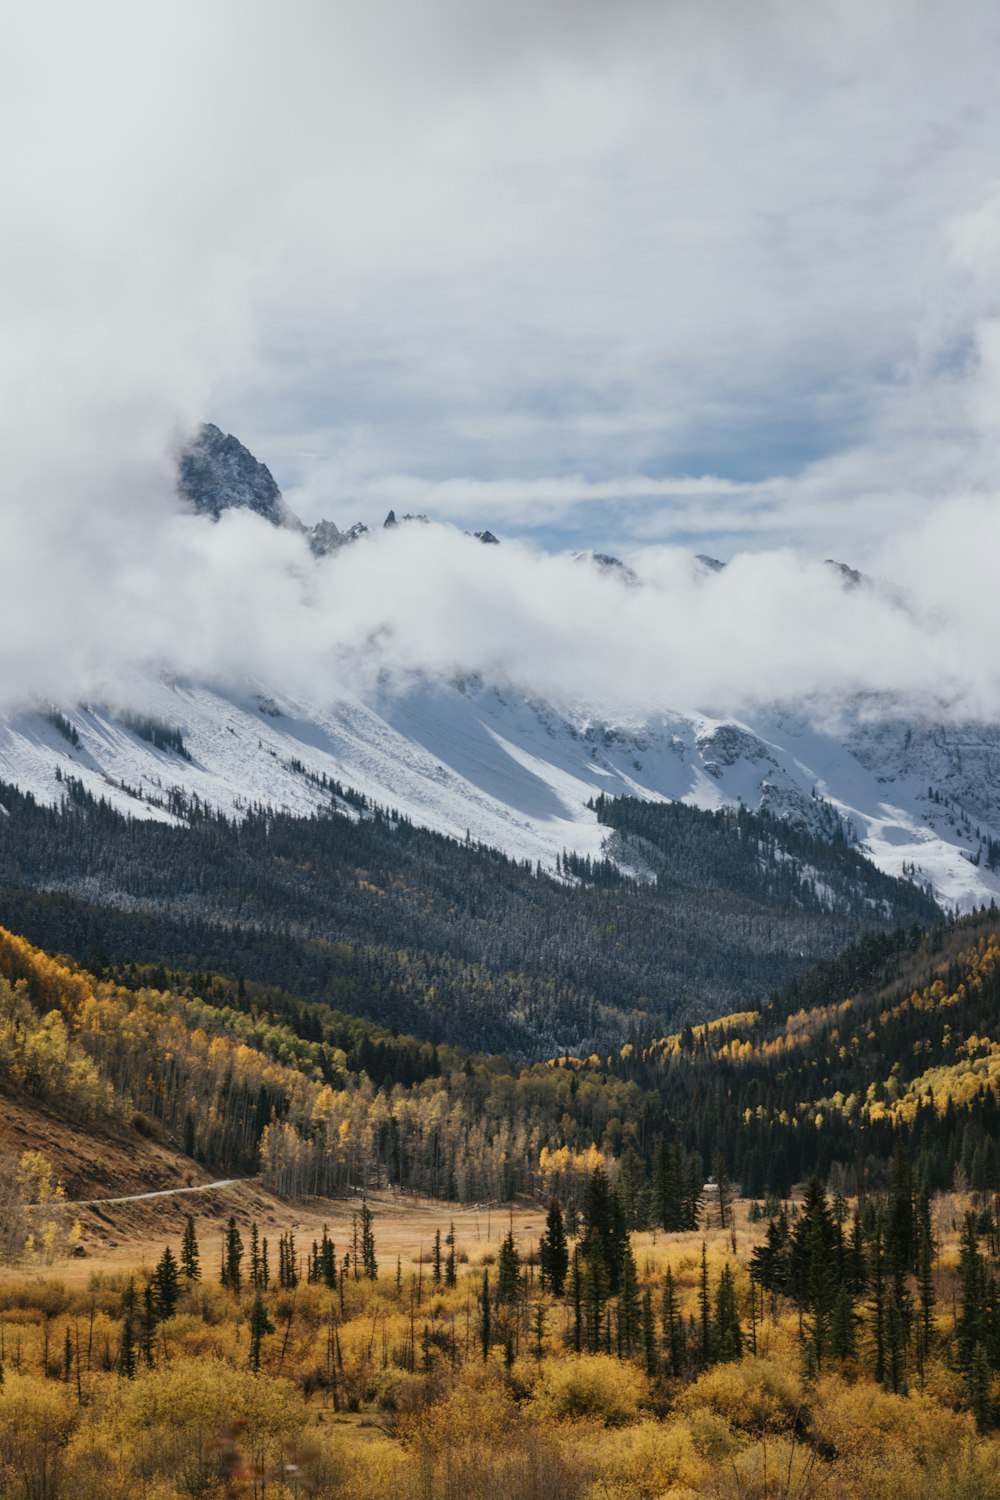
[(889, 1047), (445, 938), (466, 756), (215, 473), (494, 759)]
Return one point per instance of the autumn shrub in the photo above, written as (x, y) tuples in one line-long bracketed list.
[(590, 1385), (776, 1467), (753, 1395), (647, 1458), (37, 1419), (182, 1420)]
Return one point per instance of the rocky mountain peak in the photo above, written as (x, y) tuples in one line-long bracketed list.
[(216, 473)]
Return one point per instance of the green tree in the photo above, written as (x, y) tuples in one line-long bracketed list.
[(508, 1271), (190, 1260), (553, 1251), (260, 1326), (166, 1284), (728, 1335), (232, 1257)]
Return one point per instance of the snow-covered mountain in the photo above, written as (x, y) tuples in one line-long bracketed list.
[(493, 760)]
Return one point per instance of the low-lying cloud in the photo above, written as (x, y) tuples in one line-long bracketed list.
[(241, 602)]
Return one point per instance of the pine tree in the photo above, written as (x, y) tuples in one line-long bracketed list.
[(508, 1271), (843, 1325), (485, 1320), (255, 1272), (190, 1262), (260, 1326), (673, 1326), (368, 1261), (126, 1350), (706, 1350), (978, 1388), (576, 1297), (651, 1353), (147, 1323), (628, 1305), (594, 1294), (538, 1329), (816, 1245), (166, 1284), (232, 1257), (553, 1251), (450, 1264), (728, 1335), (436, 1261), (878, 1325)]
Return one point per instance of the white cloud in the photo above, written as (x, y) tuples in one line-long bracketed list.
[(620, 274)]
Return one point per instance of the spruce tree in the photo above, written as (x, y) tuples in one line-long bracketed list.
[(705, 1350), (485, 1318), (728, 1335), (190, 1262), (368, 1261), (673, 1326), (232, 1257), (508, 1271), (628, 1305), (166, 1285), (553, 1251), (126, 1349), (450, 1264), (260, 1325)]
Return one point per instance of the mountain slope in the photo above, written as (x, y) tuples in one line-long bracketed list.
[(463, 756), (443, 937)]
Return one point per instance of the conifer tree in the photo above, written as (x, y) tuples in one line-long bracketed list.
[(594, 1294), (190, 1262), (255, 1272), (538, 1329), (508, 1271), (147, 1323), (450, 1264), (485, 1321), (843, 1325), (166, 1285), (628, 1305), (232, 1257), (260, 1326), (368, 1261), (877, 1303), (651, 1353), (673, 1326), (126, 1350), (705, 1348), (436, 1259), (728, 1335), (576, 1297), (553, 1251)]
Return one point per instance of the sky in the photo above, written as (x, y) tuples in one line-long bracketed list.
[(655, 278)]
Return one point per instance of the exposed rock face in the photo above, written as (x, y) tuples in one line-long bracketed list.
[(216, 473), (326, 536)]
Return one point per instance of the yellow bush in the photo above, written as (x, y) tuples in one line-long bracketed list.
[(590, 1385), (755, 1395), (36, 1421), (183, 1419), (648, 1458)]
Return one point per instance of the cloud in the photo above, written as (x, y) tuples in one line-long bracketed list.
[(605, 276), (238, 603)]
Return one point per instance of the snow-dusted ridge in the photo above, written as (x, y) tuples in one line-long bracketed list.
[(467, 757), (509, 765)]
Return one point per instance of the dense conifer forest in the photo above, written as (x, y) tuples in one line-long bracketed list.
[(445, 939)]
